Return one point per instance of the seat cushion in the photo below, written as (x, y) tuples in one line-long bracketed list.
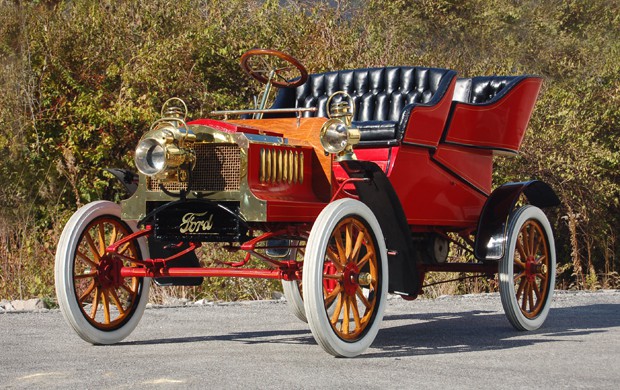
[(376, 130), (483, 89)]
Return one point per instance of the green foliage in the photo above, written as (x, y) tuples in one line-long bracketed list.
[(82, 80)]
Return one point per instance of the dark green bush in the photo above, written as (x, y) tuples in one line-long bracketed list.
[(82, 80)]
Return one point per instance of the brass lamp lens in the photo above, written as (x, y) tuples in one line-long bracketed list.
[(150, 157), (334, 136)]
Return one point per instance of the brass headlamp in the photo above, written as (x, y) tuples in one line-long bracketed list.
[(338, 134), (166, 152)]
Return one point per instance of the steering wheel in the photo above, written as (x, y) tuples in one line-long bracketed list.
[(285, 70)]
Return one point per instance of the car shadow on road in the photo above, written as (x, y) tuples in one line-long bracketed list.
[(258, 337), (440, 333)]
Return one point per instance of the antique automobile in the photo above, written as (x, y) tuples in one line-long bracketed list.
[(351, 185)]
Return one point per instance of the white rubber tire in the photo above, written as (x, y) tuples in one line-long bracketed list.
[(313, 294), (292, 291), (294, 299), (65, 289), (508, 293)]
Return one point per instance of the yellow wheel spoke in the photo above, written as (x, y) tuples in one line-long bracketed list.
[(93, 310), (85, 276), (345, 316), (530, 295), (117, 302), (329, 299), (124, 248), (333, 257), (521, 287), (85, 259), (356, 314), (338, 309), (541, 260), (357, 247), (106, 307), (348, 240), (93, 247), (521, 251), (362, 298), (532, 236), (337, 276), (536, 291), (365, 259), (130, 291), (341, 248), (101, 236), (525, 293), (538, 244), (89, 290), (114, 235), (519, 276)]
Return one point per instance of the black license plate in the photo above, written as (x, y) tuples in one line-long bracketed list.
[(199, 221)]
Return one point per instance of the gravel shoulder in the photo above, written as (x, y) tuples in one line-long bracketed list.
[(449, 342)]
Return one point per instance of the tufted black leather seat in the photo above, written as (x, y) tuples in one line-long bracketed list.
[(483, 89), (383, 97)]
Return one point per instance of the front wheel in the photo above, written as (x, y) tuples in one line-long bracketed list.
[(345, 278), (527, 270), (100, 309)]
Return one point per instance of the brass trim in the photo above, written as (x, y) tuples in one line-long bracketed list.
[(295, 166), (268, 173), (280, 166), (262, 166), (290, 167), (301, 168)]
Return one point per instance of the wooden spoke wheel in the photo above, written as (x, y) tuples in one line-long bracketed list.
[(345, 278), (287, 71), (101, 306), (527, 271)]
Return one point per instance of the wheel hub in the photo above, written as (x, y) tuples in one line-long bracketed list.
[(351, 281), (109, 272), (532, 268)]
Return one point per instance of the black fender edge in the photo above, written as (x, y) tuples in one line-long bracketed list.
[(128, 179), (378, 194), (491, 235)]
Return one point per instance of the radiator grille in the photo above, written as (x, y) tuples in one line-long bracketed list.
[(217, 169)]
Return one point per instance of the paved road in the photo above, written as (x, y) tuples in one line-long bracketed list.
[(456, 342)]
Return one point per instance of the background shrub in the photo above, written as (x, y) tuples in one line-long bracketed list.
[(82, 80)]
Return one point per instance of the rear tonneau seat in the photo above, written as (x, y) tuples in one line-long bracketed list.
[(492, 112)]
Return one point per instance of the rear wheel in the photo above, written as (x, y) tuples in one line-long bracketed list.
[(293, 290), (101, 308), (345, 278), (527, 270)]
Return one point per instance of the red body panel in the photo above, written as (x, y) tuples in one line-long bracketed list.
[(441, 184), (500, 125), (293, 202), (426, 124), (471, 165), (430, 194)]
